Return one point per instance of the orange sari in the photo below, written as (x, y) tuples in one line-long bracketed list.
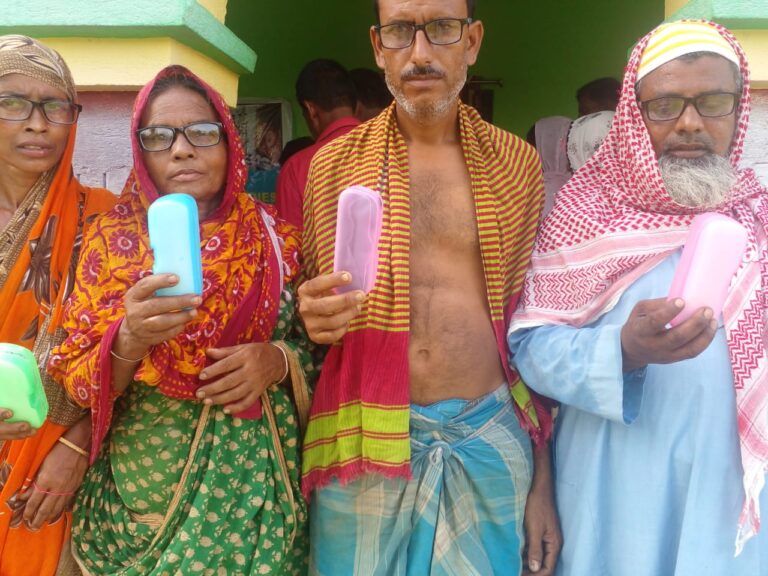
[(36, 275)]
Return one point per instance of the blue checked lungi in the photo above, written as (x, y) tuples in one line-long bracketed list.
[(460, 514)]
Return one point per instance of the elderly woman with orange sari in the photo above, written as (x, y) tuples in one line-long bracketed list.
[(43, 211), (181, 483)]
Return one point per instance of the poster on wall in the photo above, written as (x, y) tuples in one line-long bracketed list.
[(264, 125)]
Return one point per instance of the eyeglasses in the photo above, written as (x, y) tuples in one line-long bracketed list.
[(16, 109), (199, 134), (707, 105), (441, 32)]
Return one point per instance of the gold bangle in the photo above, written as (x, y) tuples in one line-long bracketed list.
[(287, 364), (74, 447), (131, 360)]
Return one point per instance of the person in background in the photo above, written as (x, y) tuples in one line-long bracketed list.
[(326, 94), (550, 136), (294, 146), (585, 137), (196, 400), (662, 436), (372, 93), (598, 95), (43, 213)]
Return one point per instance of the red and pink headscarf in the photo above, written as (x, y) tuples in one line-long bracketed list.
[(614, 221)]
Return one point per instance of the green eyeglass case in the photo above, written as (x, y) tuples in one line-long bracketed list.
[(21, 389)]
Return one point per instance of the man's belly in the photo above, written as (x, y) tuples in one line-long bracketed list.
[(452, 350)]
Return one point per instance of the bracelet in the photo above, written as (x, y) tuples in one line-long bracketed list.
[(131, 360), (50, 493), (74, 447), (287, 364)]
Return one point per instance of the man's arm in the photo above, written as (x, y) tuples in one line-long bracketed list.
[(542, 526)]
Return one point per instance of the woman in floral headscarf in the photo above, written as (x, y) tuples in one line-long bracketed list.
[(195, 424), (43, 210)]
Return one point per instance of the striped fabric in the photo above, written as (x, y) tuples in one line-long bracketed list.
[(360, 413), (460, 514), (670, 41)]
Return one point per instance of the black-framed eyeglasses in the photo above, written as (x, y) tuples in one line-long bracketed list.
[(199, 134), (707, 105), (441, 32), (17, 109)]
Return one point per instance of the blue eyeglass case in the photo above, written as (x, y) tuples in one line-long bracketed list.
[(21, 389), (174, 236)]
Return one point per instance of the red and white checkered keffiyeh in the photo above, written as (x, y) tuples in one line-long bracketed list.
[(614, 221)]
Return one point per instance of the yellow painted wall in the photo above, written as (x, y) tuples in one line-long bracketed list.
[(670, 8), (216, 7), (128, 64)]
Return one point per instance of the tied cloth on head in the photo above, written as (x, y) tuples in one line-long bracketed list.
[(614, 221), (586, 135)]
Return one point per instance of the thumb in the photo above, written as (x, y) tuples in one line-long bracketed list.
[(535, 554)]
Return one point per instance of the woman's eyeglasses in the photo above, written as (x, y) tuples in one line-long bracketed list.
[(16, 109), (198, 134)]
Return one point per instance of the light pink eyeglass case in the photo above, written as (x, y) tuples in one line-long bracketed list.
[(712, 254), (358, 228)]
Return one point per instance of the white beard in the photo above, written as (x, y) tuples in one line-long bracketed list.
[(699, 183)]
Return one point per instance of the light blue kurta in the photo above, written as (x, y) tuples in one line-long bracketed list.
[(648, 465)]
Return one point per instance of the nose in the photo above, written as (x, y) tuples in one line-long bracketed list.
[(421, 49), (181, 148), (690, 120), (37, 122)]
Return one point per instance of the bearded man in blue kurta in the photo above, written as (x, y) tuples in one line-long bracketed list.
[(662, 438)]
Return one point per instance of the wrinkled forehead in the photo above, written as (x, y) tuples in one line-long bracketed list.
[(28, 57)]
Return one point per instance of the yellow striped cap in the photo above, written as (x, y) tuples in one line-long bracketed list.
[(676, 39)]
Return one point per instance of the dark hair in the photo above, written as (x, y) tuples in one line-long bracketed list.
[(177, 76), (294, 146), (327, 84), (470, 9), (371, 88), (601, 90)]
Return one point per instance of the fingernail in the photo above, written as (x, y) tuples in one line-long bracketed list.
[(203, 375), (208, 402), (200, 393), (359, 309), (713, 325), (679, 303), (172, 279), (359, 296), (193, 313), (708, 314), (4, 415), (346, 277), (534, 565), (226, 410), (196, 301)]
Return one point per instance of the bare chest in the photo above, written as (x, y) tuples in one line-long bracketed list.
[(442, 210)]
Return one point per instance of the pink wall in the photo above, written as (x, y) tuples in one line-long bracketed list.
[(103, 149), (756, 148)]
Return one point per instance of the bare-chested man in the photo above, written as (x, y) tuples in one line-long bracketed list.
[(418, 456)]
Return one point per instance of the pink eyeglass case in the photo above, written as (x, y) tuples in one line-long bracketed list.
[(712, 254), (174, 235), (358, 228)]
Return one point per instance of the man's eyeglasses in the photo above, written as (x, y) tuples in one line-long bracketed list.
[(441, 32), (16, 109), (707, 105), (199, 134)]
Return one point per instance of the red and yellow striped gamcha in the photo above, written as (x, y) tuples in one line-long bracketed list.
[(360, 414)]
